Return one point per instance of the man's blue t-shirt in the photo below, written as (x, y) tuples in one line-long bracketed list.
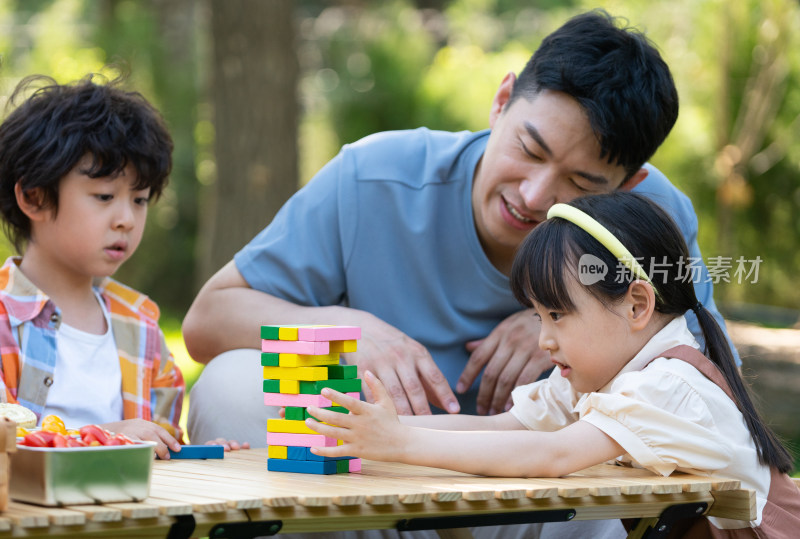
[(387, 227)]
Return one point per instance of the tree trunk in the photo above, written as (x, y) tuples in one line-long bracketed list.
[(254, 76), (158, 46)]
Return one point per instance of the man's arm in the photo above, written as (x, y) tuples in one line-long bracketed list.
[(227, 314)]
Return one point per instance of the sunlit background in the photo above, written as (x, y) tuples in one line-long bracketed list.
[(371, 66)]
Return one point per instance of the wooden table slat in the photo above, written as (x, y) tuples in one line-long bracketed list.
[(27, 516), (737, 504), (170, 507), (135, 510), (239, 488), (99, 513)]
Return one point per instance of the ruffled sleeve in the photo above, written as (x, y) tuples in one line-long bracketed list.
[(546, 405), (661, 420)]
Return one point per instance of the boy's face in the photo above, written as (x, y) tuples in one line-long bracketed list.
[(98, 224), (540, 152)]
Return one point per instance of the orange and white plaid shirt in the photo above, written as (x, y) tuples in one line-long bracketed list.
[(152, 384)]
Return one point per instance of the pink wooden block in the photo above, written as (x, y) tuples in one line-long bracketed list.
[(301, 400), (330, 333), (312, 348), (355, 465), (300, 440)]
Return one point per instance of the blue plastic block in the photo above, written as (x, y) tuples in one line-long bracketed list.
[(302, 466), (297, 453), (312, 456)]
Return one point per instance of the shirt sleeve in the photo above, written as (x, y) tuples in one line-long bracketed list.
[(545, 405), (298, 256), (661, 421), (659, 189), (167, 390), (9, 359)]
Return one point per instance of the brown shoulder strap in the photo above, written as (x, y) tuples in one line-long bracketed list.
[(781, 514), (696, 359)]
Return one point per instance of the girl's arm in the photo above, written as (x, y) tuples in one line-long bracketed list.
[(504, 421), (373, 431)]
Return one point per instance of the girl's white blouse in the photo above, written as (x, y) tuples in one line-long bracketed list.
[(667, 416)]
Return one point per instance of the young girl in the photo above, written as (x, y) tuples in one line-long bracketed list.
[(630, 385)]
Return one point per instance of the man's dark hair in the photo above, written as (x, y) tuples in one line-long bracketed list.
[(43, 139), (617, 76)]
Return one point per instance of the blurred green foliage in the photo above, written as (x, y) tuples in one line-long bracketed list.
[(399, 64)]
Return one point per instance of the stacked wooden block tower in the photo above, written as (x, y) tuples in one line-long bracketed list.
[(299, 361)]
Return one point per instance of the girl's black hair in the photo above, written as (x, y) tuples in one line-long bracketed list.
[(43, 139), (551, 256)]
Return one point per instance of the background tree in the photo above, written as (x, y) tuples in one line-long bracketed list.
[(254, 83), (228, 75), (156, 41), (755, 120)]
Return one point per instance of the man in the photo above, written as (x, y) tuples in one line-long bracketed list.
[(411, 235)]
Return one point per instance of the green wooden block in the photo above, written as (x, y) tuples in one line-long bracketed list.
[(270, 332), (343, 466), (343, 386), (272, 386), (341, 372), (295, 413), (269, 359), (339, 409)]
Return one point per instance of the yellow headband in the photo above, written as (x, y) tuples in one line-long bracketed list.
[(603, 235)]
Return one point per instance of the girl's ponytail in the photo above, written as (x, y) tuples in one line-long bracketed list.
[(771, 451)]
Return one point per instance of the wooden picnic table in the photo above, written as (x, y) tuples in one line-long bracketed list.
[(237, 497)]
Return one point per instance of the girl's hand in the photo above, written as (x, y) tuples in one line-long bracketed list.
[(141, 429), (229, 445), (371, 431)]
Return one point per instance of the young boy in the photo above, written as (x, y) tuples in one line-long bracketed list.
[(79, 164)]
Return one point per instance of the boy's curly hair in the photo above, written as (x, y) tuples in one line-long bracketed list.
[(47, 135)]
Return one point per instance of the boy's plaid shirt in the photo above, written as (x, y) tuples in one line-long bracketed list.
[(152, 384)]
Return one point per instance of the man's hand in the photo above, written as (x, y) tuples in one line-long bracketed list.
[(405, 367), (510, 356)]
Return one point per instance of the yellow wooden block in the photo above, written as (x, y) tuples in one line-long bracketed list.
[(290, 386), (301, 360), (343, 346), (287, 333), (288, 425), (311, 374), (277, 451)]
